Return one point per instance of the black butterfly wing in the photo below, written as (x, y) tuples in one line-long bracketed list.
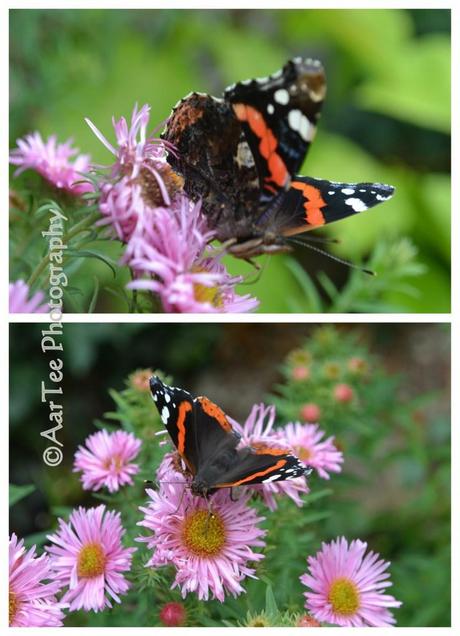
[(310, 203), (278, 115), (198, 428), (261, 465), (175, 407)]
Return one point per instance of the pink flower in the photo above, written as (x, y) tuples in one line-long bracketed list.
[(135, 148), (89, 558), (209, 545), (171, 252), (347, 587), (257, 429), (173, 615), (105, 462), (310, 412), (21, 302), (140, 178), (305, 440), (32, 601), (52, 161), (343, 393), (300, 373)]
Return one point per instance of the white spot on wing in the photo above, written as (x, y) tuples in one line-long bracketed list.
[(348, 190), (269, 479), (167, 398), (294, 119), (281, 96), (270, 109), (165, 415), (356, 204)]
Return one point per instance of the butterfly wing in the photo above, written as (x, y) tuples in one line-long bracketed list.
[(310, 203), (261, 464), (278, 115), (198, 428), (175, 407)]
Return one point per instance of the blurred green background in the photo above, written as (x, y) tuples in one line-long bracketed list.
[(386, 117), (394, 491)]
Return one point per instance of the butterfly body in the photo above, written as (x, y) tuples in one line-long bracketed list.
[(241, 154), (210, 447)]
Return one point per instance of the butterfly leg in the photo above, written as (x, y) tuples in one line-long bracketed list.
[(231, 494), (180, 500)]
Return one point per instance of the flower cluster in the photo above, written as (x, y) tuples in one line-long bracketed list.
[(166, 236), (213, 544), (142, 203)]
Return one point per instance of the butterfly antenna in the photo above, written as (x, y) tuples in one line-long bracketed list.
[(319, 239), (331, 256)]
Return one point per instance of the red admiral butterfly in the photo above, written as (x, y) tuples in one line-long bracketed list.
[(206, 441), (240, 155)]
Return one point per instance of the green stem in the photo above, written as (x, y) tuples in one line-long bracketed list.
[(81, 226)]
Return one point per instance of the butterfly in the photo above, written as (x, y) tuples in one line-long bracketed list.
[(208, 445), (240, 155)]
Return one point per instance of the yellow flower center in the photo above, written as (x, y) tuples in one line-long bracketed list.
[(205, 294), (13, 606), (344, 597), (91, 561), (203, 533)]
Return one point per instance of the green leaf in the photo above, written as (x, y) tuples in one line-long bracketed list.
[(19, 492), (94, 297), (271, 607), (94, 254)]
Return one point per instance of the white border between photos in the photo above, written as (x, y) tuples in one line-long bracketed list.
[(454, 317)]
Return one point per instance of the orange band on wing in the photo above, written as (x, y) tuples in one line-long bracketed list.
[(215, 412), (278, 464), (313, 204), (268, 143), (184, 408), (263, 449)]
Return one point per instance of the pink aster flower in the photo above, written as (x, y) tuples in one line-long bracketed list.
[(258, 429), (135, 148), (88, 557), (53, 161), (347, 586), (171, 252), (22, 302), (209, 549), (32, 596), (140, 178), (306, 441), (106, 460)]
